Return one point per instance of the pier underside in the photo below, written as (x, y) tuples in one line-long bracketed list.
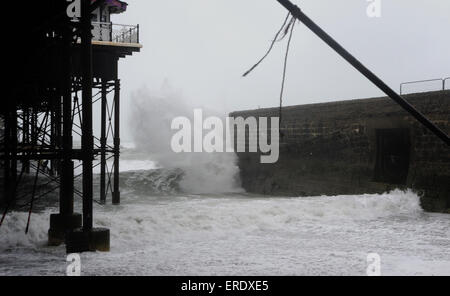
[(47, 138)]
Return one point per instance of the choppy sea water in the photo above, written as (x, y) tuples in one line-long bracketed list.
[(160, 231)]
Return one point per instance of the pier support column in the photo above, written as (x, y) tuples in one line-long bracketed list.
[(103, 146), (56, 132), (116, 193), (26, 137), (66, 221), (10, 162), (7, 161), (52, 133), (13, 140), (87, 238), (87, 145)]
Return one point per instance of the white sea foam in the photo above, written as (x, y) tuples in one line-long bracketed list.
[(202, 235), (219, 215), (12, 232)]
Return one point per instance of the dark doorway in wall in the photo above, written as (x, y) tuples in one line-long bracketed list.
[(393, 152)]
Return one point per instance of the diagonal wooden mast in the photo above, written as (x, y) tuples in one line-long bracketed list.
[(298, 14)]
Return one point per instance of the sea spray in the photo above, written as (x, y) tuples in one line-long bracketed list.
[(152, 115), (12, 231)]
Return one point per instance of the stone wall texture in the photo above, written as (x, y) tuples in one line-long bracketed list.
[(334, 149)]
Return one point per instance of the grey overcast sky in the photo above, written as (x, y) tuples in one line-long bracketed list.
[(202, 47)]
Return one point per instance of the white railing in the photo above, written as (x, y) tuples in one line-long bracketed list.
[(116, 33)]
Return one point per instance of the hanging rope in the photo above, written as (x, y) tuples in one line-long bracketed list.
[(291, 28), (275, 39), (287, 29)]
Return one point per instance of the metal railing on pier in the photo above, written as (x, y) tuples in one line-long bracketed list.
[(432, 84), (116, 33)]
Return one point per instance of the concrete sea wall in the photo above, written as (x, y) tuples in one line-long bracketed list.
[(356, 147)]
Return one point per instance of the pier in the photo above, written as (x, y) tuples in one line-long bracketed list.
[(65, 64)]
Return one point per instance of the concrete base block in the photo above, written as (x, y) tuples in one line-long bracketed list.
[(60, 225), (116, 198), (79, 240)]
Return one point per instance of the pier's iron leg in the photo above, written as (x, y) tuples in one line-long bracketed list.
[(116, 193), (7, 163), (66, 220), (87, 238), (87, 144), (13, 139), (26, 137), (103, 146)]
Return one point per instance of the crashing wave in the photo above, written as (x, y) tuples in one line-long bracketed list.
[(157, 181)]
